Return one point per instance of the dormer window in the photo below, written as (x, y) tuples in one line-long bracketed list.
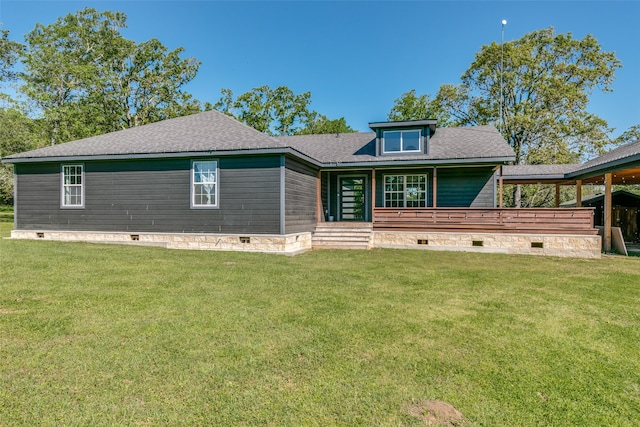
[(398, 138), (401, 141)]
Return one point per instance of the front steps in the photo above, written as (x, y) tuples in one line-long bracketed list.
[(342, 235)]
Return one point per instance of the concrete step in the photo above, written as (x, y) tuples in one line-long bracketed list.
[(346, 238), (342, 236)]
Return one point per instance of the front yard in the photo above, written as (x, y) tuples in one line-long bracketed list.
[(105, 335)]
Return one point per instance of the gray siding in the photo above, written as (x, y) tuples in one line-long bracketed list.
[(301, 187), (457, 187), (466, 187), (153, 196)]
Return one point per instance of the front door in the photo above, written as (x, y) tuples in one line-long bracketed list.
[(352, 198)]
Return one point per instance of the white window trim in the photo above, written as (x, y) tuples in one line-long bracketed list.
[(419, 150), (192, 185), (63, 185), (404, 190)]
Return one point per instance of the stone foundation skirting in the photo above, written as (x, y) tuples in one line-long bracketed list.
[(289, 244), (578, 246)]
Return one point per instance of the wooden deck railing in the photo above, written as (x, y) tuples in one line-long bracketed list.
[(491, 220)]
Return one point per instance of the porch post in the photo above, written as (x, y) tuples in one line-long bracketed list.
[(607, 212), (435, 187), (579, 193), (319, 198), (500, 188), (557, 195), (373, 194)]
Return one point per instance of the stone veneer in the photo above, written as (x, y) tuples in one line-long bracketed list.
[(289, 244), (579, 246)]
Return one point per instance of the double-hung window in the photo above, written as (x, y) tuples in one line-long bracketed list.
[(72, 186), (405, 191), (204, 184), (401, 141)]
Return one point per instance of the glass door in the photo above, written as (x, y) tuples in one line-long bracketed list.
[(352, 199)]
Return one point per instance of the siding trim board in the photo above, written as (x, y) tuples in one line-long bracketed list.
[(282, 194)]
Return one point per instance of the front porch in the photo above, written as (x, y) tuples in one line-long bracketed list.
[(444, 209), (573, 221), (552, 232)]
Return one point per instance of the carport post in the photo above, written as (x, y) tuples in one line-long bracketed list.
[(607, 212)]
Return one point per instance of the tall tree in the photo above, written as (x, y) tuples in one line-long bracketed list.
[(630, 135), (276, 111), (144, 86), (317, 123), (18, 132), (543, 86), (418, 107), (9, 51), (537, 96), (86, 78)]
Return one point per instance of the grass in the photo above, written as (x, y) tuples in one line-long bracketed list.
[(104, 335)]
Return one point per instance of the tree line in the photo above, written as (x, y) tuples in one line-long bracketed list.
[(79, 77)]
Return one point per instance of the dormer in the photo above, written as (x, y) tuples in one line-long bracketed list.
[(400, 138)]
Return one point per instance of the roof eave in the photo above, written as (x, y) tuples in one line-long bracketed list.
[(431, 124), (493, 161), (180, 154), (603, 168)]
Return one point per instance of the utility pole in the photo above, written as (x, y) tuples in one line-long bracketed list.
[(501, 120)]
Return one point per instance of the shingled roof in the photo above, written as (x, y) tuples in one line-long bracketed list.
[(213, 132), (618, 157), (473, 144), (202, 132), (532, 173)]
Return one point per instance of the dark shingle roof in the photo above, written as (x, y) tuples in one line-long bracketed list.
[(210, 130), (628, 153), (476, 143), (537, 172), (213, 132)]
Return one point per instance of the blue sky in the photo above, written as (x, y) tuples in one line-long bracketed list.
[(357, 57)]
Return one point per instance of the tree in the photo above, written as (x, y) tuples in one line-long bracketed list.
[(87, 79), (18, 133), (412, 107), (543, 88), (541, 91), (630, 135), (276, 111), (316, 123), (144, 87), (9, 51)]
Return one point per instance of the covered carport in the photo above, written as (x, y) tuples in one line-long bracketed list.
[(620, 166)]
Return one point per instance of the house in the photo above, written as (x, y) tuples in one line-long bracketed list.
[(207, 181)]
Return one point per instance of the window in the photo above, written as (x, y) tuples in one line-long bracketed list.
[(204, 184), (401, 141), (405, 191), (72, 186)]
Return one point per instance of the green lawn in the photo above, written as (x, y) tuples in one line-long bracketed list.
[(6, 220), (122, 335)]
